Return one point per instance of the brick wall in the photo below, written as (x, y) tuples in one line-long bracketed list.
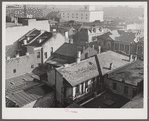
[(21, 65)]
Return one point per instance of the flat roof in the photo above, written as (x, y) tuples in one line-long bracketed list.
[(131, 73)]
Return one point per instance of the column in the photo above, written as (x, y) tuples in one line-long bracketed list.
[(83, 87), (74, 92), (80, 88)]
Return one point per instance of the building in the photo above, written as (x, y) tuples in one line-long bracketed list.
[(77, 81), (67, 54), (127, 80), (88, 34), (16, 30), (25, 91), (66, 31), (44, 45), (89, 14)]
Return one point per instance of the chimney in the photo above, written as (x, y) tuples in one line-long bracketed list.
[(99, 49), (17, 56), (16, 21), (27, 53), (40, 40), (135, 57), (111, 66), (79, 57), (25, 42), (28, 38), (130, 58), (93, 46), (8, 57)]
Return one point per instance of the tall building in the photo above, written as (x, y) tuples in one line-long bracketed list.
[(88, 14)]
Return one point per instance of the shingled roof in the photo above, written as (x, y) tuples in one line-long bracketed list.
[(77, 73)]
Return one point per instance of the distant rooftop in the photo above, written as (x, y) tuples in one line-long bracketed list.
[(130, 74), (9, 24)]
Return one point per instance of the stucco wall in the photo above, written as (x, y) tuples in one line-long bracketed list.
[(51, 77), (96, 15), (21, 64), (56, 41), (14, 33)]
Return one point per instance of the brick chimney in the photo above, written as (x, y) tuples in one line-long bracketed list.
[(78, 56), (16, 21), (99, 49)]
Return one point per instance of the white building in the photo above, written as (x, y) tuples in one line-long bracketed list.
[(89, 14)]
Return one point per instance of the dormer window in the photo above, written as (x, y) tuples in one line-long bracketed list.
[(94, 30)]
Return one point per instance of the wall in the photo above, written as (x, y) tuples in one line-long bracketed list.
[(96, 15), (21, 64), (120, 87), (51, 76), (14, 33), (89, 51), (56, 41), (59, 85)]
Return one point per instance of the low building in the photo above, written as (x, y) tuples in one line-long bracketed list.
[(127, 80), (25, 91), (76, 81), (67, 54)]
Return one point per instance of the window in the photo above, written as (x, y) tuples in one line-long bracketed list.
[(125, 90), (86, 17), (81, 14), (14, 70), (45, 54), (114, 86), (86, 84), (51, 50), (86, 14), (38, 54), (32, 66), (81, 18)]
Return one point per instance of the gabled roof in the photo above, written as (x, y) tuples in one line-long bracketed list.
[(130, 74), (77, 73), (88, 68), (117, 60), (69, 50), (107, 36), (44, 38)]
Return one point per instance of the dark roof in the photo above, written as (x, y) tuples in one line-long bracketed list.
[(127, 37), (69, 50), (44, 37), (32, 34), (105, 36), (130, 74), (77, 73)]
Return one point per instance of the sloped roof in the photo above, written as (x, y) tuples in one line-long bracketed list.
[(69, 50), (32, 34), (131, 73), (107, 36), (88, 68), (45, 37), (126, 37), (117, 60), (77, 73)]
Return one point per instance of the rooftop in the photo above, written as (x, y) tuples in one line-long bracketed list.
[(117, 60), (78, 73), (43, 37), (69, 50), (131, 73), (24, 89), (29, 36), (9, 24), (88, 68)]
